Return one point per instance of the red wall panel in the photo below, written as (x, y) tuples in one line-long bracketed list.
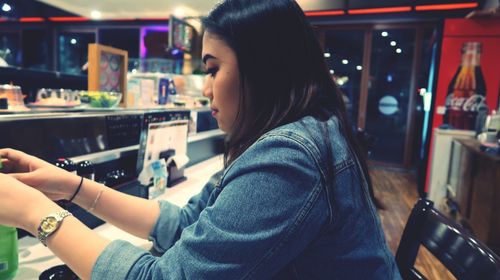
[(456, 32)]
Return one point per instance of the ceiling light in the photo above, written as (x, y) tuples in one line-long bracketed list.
[(384, 34), (327, 54), (332, 72), (359, 67), (393, 43), (6, 7), (398, 50), (95, 14), (345, 61), (73, 41), (179, 12)]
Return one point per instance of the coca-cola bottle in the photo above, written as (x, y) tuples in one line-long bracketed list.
[(467, 90)]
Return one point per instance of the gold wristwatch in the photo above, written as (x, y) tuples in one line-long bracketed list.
[(50, 224)]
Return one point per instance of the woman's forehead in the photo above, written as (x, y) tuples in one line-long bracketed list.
[(211, 42), (214, 46)]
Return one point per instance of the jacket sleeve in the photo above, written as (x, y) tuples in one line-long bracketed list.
[(174, 219), (251, 230)]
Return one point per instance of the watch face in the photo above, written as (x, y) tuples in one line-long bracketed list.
[(49, 224)]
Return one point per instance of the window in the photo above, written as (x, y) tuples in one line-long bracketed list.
[(73, 51), (9, 48), (344, 58)]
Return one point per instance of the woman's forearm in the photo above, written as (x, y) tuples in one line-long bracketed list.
[(67, 244), (74, 243), (132, 214)]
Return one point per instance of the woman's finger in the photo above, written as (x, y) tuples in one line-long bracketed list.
[(7, 166), (12, 154), (19, 161), (20, 176)]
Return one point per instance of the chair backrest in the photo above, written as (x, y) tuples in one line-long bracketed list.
[(462, 254)]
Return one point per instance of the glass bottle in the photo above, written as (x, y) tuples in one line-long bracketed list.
[(8, 252), (66, 164), (467, 90), (85, 169)]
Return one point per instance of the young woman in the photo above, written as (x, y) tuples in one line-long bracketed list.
[(294, 200)]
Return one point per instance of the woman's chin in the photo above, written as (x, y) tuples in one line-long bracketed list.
[(221, 126), (224, 128)]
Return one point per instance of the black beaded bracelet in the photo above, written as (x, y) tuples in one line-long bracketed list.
[(77, 190)]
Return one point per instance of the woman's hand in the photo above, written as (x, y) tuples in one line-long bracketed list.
[(54, 182), (22, 206)]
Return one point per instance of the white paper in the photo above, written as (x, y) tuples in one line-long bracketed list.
[(180, 161)]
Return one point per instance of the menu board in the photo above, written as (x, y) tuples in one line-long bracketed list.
[(110, 72)]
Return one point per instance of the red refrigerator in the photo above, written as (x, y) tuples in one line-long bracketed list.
[(461, 88)]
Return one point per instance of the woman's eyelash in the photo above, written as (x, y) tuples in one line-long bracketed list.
[(212, 71)]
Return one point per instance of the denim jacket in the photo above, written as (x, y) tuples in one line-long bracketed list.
[(271, 216)]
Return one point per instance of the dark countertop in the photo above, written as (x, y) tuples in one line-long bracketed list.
[(475, 146)]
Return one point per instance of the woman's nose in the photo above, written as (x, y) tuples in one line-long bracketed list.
[(207, 87)]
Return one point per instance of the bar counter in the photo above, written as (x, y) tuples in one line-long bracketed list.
[(34, 258)]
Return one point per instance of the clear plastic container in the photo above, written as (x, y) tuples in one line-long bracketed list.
[(13, 94), (8, 253)]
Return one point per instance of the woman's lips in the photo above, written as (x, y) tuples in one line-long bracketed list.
[(214, 112)]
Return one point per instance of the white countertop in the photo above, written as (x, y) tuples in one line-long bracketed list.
[(34, 258)]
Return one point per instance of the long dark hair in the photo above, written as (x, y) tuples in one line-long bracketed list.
[(282, 71)]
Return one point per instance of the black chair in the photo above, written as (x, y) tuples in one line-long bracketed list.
[(462, 254)]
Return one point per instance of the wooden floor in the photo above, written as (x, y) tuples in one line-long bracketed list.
[(397, 190)]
